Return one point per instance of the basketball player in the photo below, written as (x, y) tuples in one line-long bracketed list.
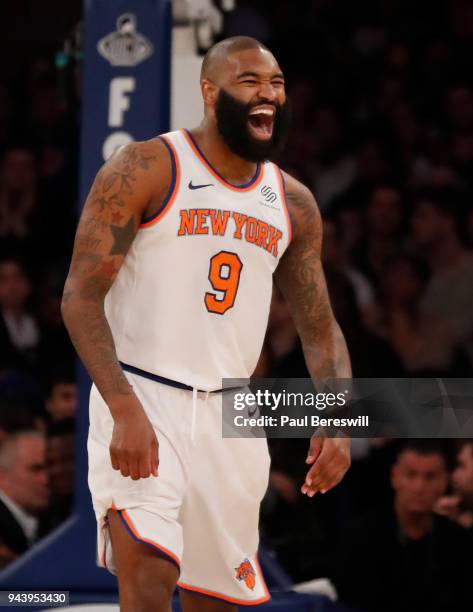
[(168, 293)]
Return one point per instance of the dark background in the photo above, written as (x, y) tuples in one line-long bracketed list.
[(382, 100)]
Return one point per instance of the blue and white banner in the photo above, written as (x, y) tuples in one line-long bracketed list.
[(126, 86)]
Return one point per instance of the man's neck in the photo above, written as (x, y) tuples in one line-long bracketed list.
[(233, 168), (413, 525)]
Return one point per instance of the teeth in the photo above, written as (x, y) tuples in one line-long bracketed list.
[(262, 111)]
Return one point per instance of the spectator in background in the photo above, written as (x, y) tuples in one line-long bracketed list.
[(17, 415), (61, 400), (56, 352), (334, 170), (19, 333), (384, 221), (334, 256), (435, 234), (24, 489), (371, 169), (18, 194), (283, 341), (21, 402), (408, 559), (407, 328), (60, 468), (459, 505)]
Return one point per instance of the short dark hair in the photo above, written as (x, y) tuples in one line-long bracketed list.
[(427, 446), (60, 376)]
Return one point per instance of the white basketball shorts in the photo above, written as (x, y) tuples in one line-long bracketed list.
[(202, 511)]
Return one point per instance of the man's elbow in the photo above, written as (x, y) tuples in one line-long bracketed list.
[(67, 302)]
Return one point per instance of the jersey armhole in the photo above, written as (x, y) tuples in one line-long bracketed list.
[(173, 187), (282, 189)]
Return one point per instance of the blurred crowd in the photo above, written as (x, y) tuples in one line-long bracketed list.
[(38, 199), (382, 133), (382, 105)]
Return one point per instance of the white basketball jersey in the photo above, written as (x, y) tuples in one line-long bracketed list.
[(191, 300)]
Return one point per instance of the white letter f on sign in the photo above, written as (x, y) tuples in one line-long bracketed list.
[(119, 101)]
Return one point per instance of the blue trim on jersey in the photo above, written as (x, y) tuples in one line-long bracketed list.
[(244, 186), (171, 187), (166, 381), (156, 549), (155, 377)]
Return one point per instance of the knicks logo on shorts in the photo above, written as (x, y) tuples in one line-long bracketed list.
[(246, 572)]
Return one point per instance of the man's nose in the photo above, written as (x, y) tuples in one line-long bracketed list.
[(267, 92)]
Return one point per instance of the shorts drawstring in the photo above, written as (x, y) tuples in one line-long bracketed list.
[(194, 411)]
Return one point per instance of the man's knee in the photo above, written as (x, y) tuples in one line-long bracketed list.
[(193, 602), (146, 581)]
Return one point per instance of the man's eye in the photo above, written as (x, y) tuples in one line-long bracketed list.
[(249, 82)]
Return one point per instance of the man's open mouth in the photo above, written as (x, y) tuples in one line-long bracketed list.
[(261, 122)]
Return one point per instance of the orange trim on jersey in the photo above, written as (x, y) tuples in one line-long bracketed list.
[(260, 571), (133, 530), (256, 180), (171, 196), (282, 189), (233, 600)]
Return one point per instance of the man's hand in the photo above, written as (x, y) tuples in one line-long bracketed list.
[(449, 506), (134, 445), (330, 459)]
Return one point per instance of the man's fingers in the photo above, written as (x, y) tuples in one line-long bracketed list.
[(135, 468), (114, 460), (323, 482), (314, 449), (154, 460), (319, 469), (124, 468)]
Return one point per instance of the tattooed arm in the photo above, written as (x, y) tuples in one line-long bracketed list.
[(125, 190), (301, 279)]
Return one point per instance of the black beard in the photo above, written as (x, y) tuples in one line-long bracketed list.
[(232, 123)]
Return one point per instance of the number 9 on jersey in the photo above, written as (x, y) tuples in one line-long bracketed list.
[(224, 276)]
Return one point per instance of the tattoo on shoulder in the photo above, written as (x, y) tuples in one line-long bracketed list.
[(118, 179), (107, 228), (300, 272), (302, 206), (122, 236)]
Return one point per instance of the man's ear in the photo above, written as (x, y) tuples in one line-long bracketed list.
[(209, 92)]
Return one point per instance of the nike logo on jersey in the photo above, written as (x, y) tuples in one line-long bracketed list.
[(191, 186), (205, 221)]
